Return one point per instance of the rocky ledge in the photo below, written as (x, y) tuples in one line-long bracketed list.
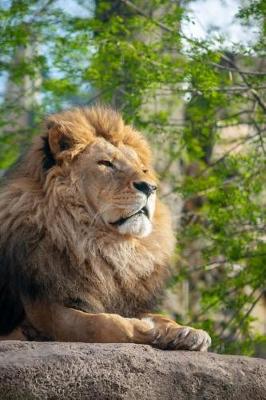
[(31, 370)]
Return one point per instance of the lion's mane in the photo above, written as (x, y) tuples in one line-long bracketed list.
[(49, 246)]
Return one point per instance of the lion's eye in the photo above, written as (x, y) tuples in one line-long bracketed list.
[(145, 171), (106, 163)]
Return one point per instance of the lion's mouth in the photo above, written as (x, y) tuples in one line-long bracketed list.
[(120, 221)]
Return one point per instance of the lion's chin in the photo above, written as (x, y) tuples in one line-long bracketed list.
[(138, 225)]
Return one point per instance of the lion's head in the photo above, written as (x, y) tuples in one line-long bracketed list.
[(92, 151)]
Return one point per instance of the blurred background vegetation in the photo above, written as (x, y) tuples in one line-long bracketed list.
[(198, 97)]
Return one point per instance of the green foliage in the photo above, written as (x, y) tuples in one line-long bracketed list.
[(134, 55), (44, 52)]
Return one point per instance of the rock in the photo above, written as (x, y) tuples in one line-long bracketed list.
[(31, 370)]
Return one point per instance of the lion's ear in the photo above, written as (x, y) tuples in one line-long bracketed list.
[(58, 137)]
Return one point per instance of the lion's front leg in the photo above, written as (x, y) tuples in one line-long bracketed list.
[(169, 335), (67, 324)]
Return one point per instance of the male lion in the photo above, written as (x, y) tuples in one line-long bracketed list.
[(84, 243)]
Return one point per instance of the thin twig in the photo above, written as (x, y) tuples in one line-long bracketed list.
[(254, 93), (259, 131), (248, 312), (255, 73)]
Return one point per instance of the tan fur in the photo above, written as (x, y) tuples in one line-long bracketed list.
[(66, 268)]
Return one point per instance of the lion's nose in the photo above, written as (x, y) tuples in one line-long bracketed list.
[(145, 187)]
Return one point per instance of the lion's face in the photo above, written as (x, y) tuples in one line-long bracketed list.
[(120, 188), (111, 164)]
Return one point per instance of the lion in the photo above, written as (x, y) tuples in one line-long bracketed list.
[(85, 243)]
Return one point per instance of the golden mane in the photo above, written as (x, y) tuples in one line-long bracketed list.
[(50, 247), (80, 126)]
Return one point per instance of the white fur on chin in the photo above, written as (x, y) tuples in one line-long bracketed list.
[(139, 225)]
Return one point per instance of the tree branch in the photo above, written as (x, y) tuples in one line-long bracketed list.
[(254, 94)]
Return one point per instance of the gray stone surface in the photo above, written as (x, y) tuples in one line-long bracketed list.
[(30, 370)]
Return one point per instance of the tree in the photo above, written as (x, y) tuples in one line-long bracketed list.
[(185, 94)]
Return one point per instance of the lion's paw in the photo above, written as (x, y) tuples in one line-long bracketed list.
[(183, 338)]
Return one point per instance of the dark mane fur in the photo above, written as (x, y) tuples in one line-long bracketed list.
[(48, 159)]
